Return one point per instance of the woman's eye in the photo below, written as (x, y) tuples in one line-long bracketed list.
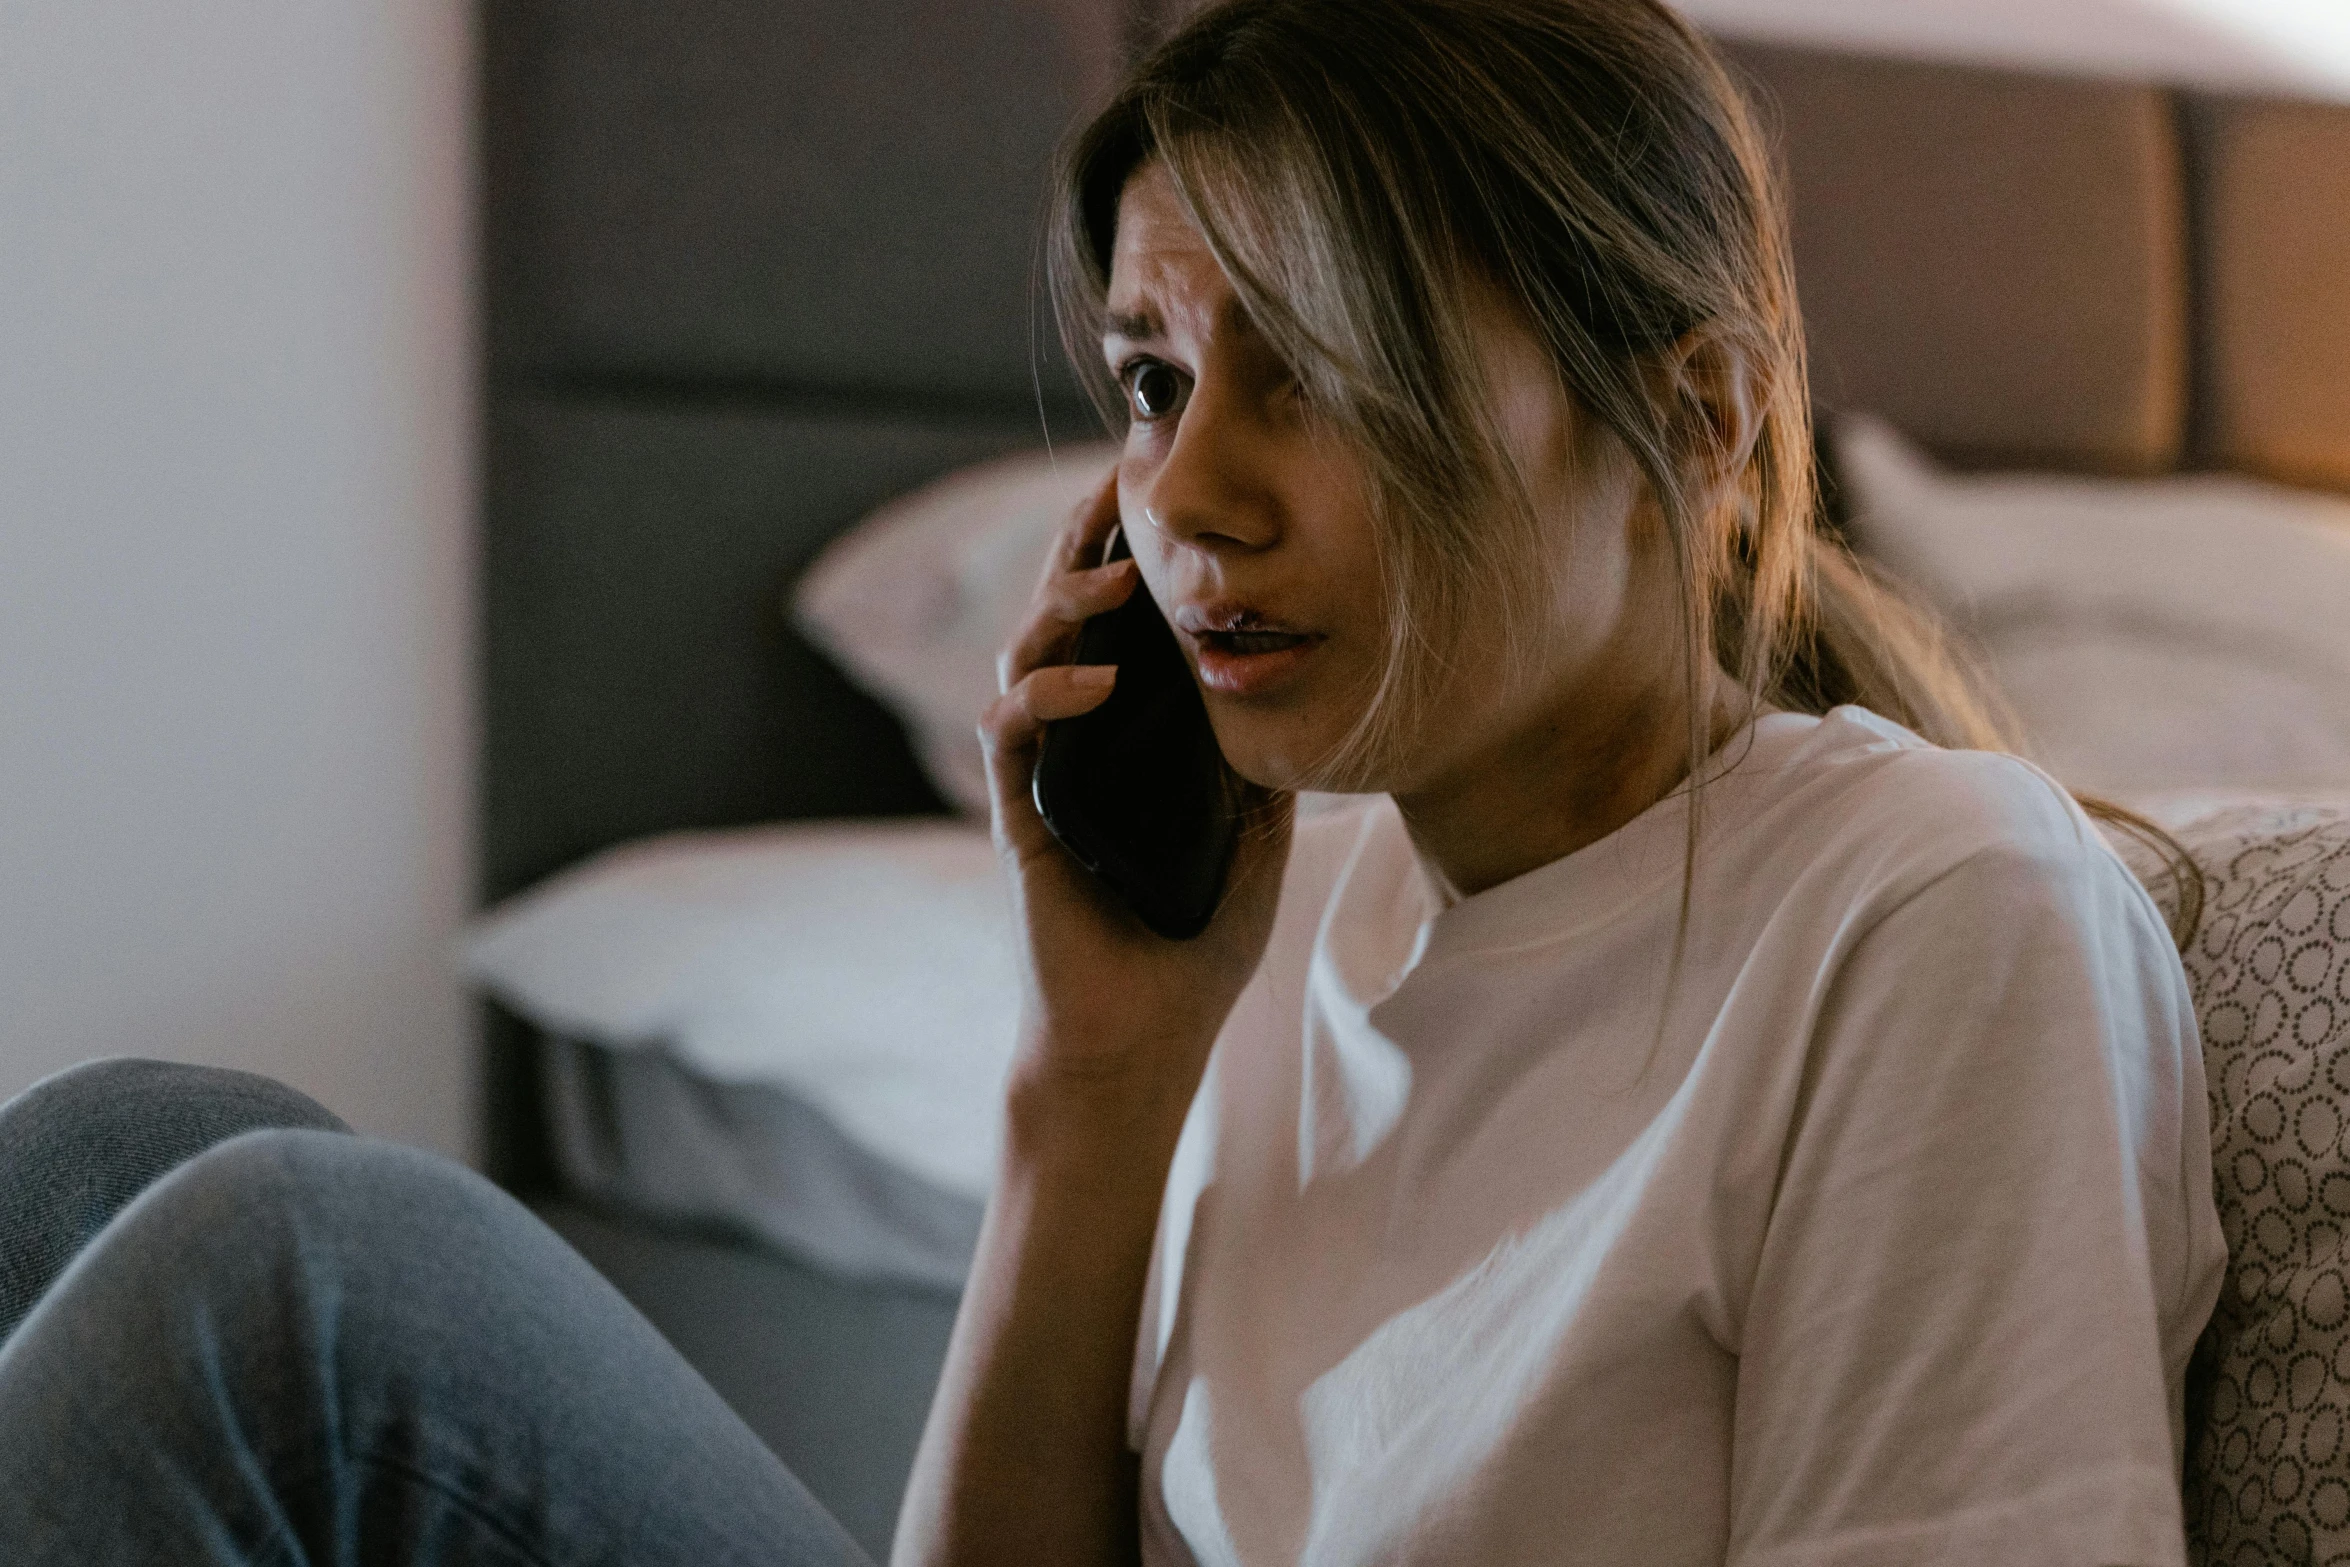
[(1154, 390)]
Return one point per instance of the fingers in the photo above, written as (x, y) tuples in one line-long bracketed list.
[(1061, 691), (1073, 588), (1014, 721), (1088, 529), (1063, 604)]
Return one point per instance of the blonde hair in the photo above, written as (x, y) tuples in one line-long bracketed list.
[(1358, 167)]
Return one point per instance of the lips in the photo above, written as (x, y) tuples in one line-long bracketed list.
[(1240, 651)]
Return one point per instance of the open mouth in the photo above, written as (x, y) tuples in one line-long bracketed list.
[(1253, 662), (1242, 651), (1245, 644)]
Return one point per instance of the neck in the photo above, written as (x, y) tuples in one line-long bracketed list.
[(1578, 772)]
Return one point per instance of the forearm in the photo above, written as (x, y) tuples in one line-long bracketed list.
[(1025, 1457)]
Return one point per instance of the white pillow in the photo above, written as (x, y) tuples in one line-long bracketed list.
[(2153, 634), (917, 600), (869, 968)]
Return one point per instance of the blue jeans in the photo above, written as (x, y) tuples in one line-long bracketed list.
[(248, 1336)]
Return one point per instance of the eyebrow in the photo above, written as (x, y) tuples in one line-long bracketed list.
[(1141, 325)]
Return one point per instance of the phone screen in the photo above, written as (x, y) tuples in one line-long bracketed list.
[(1137, 789)]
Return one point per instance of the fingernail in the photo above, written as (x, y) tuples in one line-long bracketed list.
[(1094, 677)]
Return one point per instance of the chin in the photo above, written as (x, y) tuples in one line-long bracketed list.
[(1279, 756), (1268, 760)]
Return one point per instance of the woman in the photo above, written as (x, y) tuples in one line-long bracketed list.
[(1675, 1114)]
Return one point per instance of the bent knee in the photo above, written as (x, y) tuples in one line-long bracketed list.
[(81, 1144), (332, 1183), (235, 1233), (408, 1255), (373, 1214), (138, 1104)]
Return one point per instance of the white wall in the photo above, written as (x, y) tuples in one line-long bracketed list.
[(235, 499)]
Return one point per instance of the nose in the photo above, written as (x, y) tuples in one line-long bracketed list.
[(1218, 488)]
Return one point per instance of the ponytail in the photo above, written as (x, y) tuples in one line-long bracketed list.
[(1869, 643)]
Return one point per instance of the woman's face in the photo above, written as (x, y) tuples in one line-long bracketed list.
[(1253, 529)]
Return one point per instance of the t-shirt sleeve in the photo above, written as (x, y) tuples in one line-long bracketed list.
[(1987, 1255)]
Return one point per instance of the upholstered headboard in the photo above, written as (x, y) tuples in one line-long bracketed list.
[(1994, 262), (2273, 268), (753, 268), (2027, 270)]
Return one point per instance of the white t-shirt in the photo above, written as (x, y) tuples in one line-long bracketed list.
[(1886, 1245)]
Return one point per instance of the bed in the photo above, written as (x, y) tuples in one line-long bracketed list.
[(755, 270)]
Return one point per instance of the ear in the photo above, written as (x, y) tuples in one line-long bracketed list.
[(1718, 387)]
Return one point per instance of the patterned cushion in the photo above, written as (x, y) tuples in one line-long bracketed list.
[(2268, 1394)]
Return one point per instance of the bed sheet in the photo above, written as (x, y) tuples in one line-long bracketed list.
[(637, 1131)]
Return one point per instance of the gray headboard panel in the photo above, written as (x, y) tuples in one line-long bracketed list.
[(1994, 260), (752, 268), (640, 671), (2276, 255), (838, 194)]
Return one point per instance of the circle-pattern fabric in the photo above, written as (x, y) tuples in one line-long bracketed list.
[(2268, 1393)]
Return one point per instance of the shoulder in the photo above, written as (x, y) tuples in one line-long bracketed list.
[(1859, 818), (1865, 792), (1964, 916)]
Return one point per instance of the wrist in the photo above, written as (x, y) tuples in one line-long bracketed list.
[(1124, 1118)]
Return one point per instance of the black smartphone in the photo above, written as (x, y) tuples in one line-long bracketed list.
[(1137, 789)]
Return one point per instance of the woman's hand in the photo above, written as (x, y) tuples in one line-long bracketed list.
[(1107, 996), (1024, 1460)]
